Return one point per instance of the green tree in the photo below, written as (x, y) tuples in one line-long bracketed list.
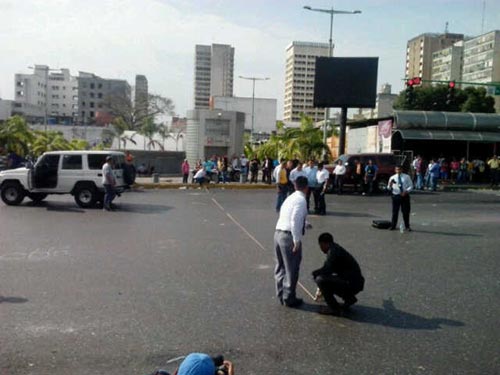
[(435, 98), (16, 135), (117, 130), (148, 129), (49, 141)]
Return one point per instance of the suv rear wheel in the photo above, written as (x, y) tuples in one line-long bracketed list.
[(12, 193), (382, 184), (85, 195)]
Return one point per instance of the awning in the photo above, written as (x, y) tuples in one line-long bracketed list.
[(453, 121), (446, 135)]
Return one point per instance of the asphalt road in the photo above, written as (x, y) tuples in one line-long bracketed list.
[(176, 271)]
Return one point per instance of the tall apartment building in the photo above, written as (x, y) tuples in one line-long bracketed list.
[(299, 80), (213, 73), (55, 92), (447, 63), (419, 52), (94, 94), (482, 58), (141, 93)]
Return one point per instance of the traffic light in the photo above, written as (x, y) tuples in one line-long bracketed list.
[(410, 93), (450, 97)]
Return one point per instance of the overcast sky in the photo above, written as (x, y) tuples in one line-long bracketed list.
[(122, 38)]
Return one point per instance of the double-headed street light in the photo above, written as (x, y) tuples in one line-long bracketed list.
[(253, 101), (331, 12)]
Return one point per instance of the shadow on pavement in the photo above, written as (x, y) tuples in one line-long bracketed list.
[(390, 316), (140, 208), (349, 214), (12, 299), (453, 234)]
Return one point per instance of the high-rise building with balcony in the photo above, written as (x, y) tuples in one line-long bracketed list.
[(213, 73), (299, 80), (482, 58), (419, 52)]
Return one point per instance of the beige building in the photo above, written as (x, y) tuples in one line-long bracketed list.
[(447, 63), (299, 80), (419, 52), (383, 105), (213, 73)]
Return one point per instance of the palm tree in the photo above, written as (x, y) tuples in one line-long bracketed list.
[(49, 141), (148, 130), (16, 135), (119, 126)]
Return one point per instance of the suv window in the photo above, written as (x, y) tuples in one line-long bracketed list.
[(72, 162), (119, 161), (96, 161), (51, 161)]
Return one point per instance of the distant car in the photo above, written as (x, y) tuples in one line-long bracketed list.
[(385, 163), (78, 173)]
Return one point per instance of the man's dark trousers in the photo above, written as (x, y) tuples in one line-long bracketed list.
[(109, 194), (320, 196), (403, 202), (333, 284)]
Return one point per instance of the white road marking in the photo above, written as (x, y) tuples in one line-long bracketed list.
[(256, 241)]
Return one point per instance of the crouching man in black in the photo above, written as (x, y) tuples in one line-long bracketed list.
[(339, 275)]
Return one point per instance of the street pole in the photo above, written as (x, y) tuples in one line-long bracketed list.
[(331, 12), (253, 79)]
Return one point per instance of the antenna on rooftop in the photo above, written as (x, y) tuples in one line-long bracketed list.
[(482, 18), (446, 28)]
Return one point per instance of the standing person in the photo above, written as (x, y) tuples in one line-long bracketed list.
[(297, 172), (254, 169), (200, 176), (340, 275), (370, 176), (454, 166), (244, 169), (400, 186), (224, 169), (358, 176), (443, 169), (281, 177), (290, 166), (494, 165), (185, 171), (109, 183), (322, 177), (339, 173), (311, 170), (434, 170), (419, 173), (288, 244), (267, 168), (462, 171)]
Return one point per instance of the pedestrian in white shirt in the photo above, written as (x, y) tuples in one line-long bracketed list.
[(400, 185), (322, 177), (109, 183), (297, 172), (290, 228), (311, 170), (339, 173)]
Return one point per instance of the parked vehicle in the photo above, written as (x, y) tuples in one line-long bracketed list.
[(78, 173), (385, 163)]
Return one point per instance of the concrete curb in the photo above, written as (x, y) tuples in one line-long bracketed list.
[(230, 186)]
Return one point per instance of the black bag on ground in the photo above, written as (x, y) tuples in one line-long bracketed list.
[(381, 224)]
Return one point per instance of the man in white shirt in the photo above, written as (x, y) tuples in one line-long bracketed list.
[(290, 228), (109, 182), (297, 172), (200, 175), (244, 169), (400, 185), (311, 170), (339, 173), (322, 177)]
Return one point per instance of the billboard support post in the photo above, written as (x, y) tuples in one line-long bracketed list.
[(342, 130)]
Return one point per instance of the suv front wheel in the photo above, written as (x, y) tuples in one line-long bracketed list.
[(12, 193), (85, 195)]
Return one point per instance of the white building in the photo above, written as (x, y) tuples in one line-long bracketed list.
[(447, 63), (213, 73), (55, 92), (299, 80), (383, 105), (264, 111), (213, 133)]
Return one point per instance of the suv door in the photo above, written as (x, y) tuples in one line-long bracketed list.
[(70, 172), (45, 172)]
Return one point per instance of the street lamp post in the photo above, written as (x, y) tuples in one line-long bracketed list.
[(253, 79), (331, 12)]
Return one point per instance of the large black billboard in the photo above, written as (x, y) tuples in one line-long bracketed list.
[(345, 82)]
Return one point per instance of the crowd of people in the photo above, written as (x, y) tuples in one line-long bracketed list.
[(426, 174)]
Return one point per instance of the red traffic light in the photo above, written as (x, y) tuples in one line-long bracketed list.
[(417, 80), (451, 84), (410, 83)]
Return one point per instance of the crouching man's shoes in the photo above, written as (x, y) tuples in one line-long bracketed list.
[(349, 301)]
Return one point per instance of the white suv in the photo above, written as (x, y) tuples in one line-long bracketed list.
[(78, 173)]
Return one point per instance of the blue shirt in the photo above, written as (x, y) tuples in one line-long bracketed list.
[(209, 165), (311, 176), (370, 170)]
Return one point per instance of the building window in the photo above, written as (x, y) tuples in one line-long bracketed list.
[(92, 114), (99, 86), (83, 104), (99, 95), (92, 86), (91, 104)]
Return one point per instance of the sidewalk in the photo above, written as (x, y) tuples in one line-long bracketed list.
[(176, 183)]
